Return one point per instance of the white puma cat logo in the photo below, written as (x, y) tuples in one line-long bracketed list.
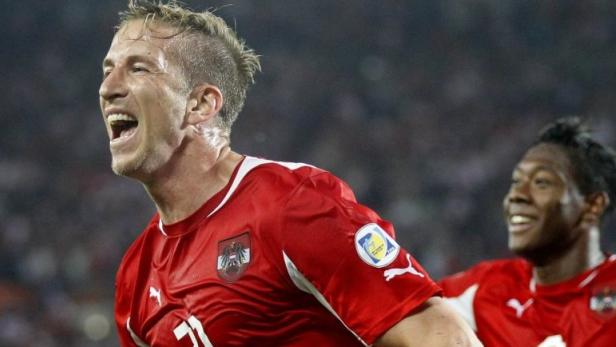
[(519, 308), (391, 273), (155, 293)]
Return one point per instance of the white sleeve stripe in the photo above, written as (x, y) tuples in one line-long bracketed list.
[(463, 304), (134, 336), (304, 285)]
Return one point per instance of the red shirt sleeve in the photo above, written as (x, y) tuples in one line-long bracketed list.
[(350, 259)]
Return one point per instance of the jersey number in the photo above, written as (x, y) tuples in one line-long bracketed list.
[(187, 327), (553, 341)]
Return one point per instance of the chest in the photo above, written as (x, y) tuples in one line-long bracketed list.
[(226, 285), (510, 315)]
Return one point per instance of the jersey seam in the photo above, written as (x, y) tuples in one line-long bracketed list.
[(290, 196)]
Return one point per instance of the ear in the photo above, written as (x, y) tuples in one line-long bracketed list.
[(596, 205), (204, 103)]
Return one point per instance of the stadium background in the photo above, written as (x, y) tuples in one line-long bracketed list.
[(422, 106)]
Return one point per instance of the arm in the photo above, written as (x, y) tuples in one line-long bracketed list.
[(435, 325)]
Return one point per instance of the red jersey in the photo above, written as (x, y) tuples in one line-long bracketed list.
[(282, 256), (506, 308)]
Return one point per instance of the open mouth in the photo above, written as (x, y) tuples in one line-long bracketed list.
[(122, 125), (519, 222)]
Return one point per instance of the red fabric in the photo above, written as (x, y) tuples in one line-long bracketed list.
[(304, 212), (561, 309)]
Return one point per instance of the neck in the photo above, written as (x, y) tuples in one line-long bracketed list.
[(189, 181), (583, 255)]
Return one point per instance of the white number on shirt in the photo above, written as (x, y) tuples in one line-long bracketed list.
[(553, 341), (187, 327)]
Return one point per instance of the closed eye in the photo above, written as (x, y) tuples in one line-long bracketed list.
[(543, 183), (515, 181), (106, 73), (139, 69)]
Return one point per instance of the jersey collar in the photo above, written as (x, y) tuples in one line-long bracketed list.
[(186, 225)]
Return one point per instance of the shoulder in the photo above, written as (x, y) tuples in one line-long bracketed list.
[(486, 272), (275, 173), (610, 263), (293, 179), (607, 270), (491, 280)]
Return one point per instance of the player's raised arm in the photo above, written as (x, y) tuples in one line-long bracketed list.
[(434, 324)]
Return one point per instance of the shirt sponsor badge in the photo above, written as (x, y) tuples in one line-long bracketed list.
[(233, 257), (374, 246)]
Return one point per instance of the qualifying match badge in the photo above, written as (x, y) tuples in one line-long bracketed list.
[(233, 257), (374, 246)]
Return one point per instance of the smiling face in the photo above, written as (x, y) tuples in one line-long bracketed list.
[(143, 99), (544, 205)]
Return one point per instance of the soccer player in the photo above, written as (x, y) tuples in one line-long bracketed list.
[(243, 251), (561, 291)]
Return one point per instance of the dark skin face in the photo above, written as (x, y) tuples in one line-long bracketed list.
[(544, 206)]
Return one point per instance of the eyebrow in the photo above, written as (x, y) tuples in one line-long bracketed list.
[(562, 175), (130, 59), (107, 62), (537, 168)]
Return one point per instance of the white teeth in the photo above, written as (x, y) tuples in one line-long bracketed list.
[(518, 219), (120, 117)]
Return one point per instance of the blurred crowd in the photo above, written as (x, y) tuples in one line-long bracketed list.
[(422, 106)]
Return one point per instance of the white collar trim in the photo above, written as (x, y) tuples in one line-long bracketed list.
[(246, 166)]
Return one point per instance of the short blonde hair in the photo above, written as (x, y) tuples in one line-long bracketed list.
[(208, 50)]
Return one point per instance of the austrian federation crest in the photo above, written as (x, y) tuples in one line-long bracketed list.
[(603, 301), (233, 257)]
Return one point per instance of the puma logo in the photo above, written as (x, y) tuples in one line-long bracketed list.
[(519, 308), (391, 273), (155, 293)]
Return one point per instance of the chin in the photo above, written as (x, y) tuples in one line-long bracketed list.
[(515, 244), (519, 248), (538, 256), (141, 167), (121, 170), (127, 168)]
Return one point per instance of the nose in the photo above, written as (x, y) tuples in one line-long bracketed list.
[(113, 86), (518, 193)]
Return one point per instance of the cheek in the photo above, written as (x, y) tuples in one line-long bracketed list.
[(572, 206), (171, 101), (559, 222), (159, 102), (571, 213), (551, 211)]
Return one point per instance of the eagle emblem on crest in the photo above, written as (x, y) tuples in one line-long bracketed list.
[(603, 301), (233, 257)]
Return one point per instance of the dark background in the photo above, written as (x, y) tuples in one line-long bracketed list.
[(423, 107)]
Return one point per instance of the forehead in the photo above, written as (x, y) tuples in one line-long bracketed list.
[(547, 155), (138, 37)]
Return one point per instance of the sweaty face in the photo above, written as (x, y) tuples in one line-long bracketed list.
[(142, 99), (544, 205)]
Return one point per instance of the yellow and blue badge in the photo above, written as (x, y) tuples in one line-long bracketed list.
[(374, 246)]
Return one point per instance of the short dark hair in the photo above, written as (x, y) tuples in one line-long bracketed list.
[(208, 50), (593, 164)]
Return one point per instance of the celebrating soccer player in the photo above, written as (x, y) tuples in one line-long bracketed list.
[(562, 290), (243, 251)]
